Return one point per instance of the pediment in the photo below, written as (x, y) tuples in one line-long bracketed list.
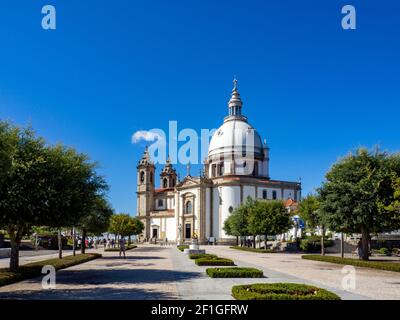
[(188, 182)]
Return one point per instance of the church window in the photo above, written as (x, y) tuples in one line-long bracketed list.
[(264, 194), (189, 207), (151, 177), (274, 195), (230, 209), (221, 169), (173, 182), (160, 202), (142, 176), (213, 169), (165, 183)]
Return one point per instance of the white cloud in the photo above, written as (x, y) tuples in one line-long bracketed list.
[(144, 135)]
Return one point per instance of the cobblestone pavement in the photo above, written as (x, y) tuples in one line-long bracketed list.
[(153, 272), (370, 283), (146, 273)]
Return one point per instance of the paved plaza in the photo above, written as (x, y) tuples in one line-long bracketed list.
[(154, 272)]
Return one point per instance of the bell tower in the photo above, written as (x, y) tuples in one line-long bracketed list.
[(145, 190), (168, 176)]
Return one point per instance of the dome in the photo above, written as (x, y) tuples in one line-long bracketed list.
[(236, 135)]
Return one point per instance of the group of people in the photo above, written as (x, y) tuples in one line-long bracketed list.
[(107, 244)]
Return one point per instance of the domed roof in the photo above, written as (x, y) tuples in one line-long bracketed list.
[(235, 136)]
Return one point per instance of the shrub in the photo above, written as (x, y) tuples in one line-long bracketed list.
[(234, 273), (182, 247), (34, 269), (127, 248), (201, 255), (384, 251), (383, 265), (281, 291), (214, 262), (313, 244), (254, 249)]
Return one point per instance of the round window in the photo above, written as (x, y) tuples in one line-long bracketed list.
[(230, 209)]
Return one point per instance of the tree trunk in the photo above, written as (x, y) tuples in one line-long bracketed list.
[(83, 246), (364, 244), (266, 241), (322, 240), (59, 244), (74, 241), (129, 240), (254, 242), (15, 234), (342, 245), (237, 241)]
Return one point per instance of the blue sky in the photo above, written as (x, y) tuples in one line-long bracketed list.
[(312, 89)]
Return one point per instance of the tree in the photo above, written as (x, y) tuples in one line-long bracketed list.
[(236, 224), (96, 220), (123, 225), (23, 187), (45, 186), (269, 217), (309, 211), (138, 226), (356, 192)]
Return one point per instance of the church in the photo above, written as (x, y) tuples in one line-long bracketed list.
[(237, 167)]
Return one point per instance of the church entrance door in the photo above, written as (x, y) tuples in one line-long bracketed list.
[(188, 231), (155, 233)]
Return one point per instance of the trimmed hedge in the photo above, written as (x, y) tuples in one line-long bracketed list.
[(382, 265), (313, 244), (34, 269), (281, 291), (182, 247), (254, 249), (201, 255), (117, 249), (234, 273), (214, 262)]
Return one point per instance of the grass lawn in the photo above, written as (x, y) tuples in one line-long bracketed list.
[(382, 265), (254, 249), (117, 249), (34, 269)]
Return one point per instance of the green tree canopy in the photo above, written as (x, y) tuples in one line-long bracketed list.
[(308, 211), (122, 224), (269, 217), (355, 193), (45, 186)]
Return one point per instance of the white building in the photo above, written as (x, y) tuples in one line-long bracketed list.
[(237, 167)]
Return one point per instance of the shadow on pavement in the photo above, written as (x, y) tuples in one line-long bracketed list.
[(90, 294)]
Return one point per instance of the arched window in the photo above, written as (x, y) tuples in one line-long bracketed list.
[(142, 176), (274, 195), (151, 177), (165, 183), (189, 207), (264, 194)]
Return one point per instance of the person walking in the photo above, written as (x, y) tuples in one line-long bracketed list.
[(122, 247)]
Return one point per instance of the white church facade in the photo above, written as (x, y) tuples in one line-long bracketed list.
[(237, 167)]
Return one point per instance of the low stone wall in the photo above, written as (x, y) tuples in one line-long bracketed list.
[(5, 252)]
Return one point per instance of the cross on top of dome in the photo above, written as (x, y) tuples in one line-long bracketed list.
[(235, 103)]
